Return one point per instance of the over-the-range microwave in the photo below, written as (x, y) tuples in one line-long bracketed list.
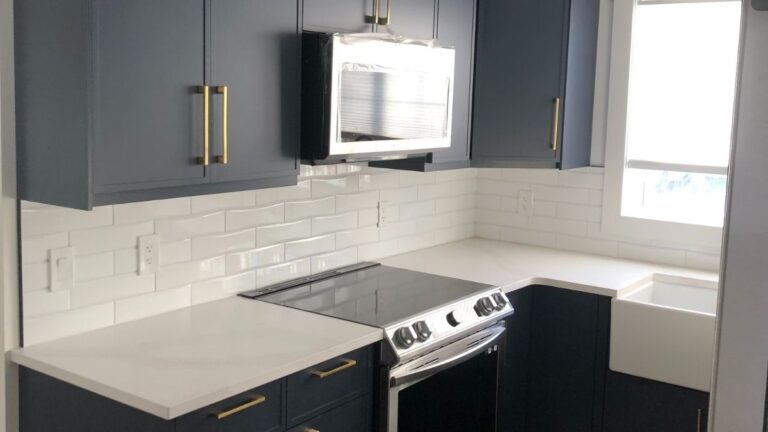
[(374, 97)]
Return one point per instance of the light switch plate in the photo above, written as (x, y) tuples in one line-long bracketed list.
[(61, 268)]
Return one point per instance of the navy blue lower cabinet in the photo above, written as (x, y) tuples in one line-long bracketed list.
[(635, 404), (553, 375), (353, 416)]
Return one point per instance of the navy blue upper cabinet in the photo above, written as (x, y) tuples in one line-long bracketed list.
[(455, 28), (534, 83), (345, 16), (111, 105)]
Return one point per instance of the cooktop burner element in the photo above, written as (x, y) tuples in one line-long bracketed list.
[(417, 310)]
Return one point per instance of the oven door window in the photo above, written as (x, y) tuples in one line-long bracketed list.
[(380, 104), (459, 399)]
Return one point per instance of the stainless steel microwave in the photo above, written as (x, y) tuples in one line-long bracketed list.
[(374, 97)]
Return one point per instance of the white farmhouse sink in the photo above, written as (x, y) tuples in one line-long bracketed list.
[(665, 330)]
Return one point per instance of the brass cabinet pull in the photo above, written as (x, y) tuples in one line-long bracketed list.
[(205, 159), (250, 404), (348, 363), (386, 19), (556, 124), (698, 420), (311, 430), (373, 19), (222, 90)]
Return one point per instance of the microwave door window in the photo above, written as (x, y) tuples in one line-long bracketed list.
[(376, 105)]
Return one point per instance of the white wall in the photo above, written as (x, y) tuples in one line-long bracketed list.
[(8, 244), (739, 388)]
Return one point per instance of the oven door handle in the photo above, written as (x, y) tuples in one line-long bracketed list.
[(488, 338)]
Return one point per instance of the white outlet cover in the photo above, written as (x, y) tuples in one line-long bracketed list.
[(61, 264), (149, 254), (384, 214), (525, 202)]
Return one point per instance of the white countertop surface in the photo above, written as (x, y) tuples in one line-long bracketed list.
[(175, 363), (180, 361), (512, 266)]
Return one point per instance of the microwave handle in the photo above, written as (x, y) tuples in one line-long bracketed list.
[(492, 336)]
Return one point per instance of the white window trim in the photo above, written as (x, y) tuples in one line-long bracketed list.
[(613, 223)]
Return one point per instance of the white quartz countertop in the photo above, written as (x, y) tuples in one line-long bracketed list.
[(512, 266), (177, 362)]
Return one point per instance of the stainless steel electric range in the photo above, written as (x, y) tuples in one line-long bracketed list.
[(441, 354)]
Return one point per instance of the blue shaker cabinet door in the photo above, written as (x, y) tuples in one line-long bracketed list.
[(345, 16), (147, 119), (255, 53)]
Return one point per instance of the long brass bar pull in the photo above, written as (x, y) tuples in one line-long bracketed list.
[(205, 159), (348, 363), (311, 430), (222, 159), (250, 404), (698, 421), (556, 124), (373, 19), (385, 20)]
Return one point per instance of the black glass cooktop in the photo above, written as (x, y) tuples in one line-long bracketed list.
[(377, 295)]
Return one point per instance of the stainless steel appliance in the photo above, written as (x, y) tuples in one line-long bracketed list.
[(441, 354), (374, 96)]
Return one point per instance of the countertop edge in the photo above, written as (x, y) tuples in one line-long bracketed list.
[(173, 412)]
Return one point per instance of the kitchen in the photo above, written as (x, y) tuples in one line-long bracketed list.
[(379, 215)]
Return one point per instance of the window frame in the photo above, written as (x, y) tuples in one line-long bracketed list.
[(613, 223)]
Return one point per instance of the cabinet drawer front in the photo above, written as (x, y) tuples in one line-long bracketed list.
[(318, 388), (354, 416), (257, 410)]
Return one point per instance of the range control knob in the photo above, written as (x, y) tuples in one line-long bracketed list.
[(501, 301), (485, 306), (422, 330), (453, 318), (404, 337)]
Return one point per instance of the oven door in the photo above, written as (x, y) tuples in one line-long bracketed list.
[(454, 388)]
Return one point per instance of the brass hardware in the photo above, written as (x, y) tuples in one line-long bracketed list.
[(373, 19), (386, 19), (222, 159), (252, 403), (310, 430), (348, 363), (556, 124), (698, 420), (205, 159)]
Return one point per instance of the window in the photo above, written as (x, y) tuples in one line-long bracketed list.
[(673, 82)]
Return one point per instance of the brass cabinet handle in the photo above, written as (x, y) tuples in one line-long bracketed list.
[(373, 19), (698, 420), (385, 19), (205, 159), (250, 404), (556, 124), (222, 90), (311, 430), (348, 363)]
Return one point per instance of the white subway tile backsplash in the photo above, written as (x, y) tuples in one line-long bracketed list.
[(339, 222), (102, 290), (62, 324), (187, 227), (44, 219), (150, 210), (185, 273), (268, 235), (35, 249), (281, 272), (328, 261), (109, 238), (254, 217), (306, 209), (241, 261), (309, 246), (218, 245), (147, 305)]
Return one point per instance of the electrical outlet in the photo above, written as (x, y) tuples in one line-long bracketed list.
[(525, 202), (384, 214), (149, 254), (62, 268)]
